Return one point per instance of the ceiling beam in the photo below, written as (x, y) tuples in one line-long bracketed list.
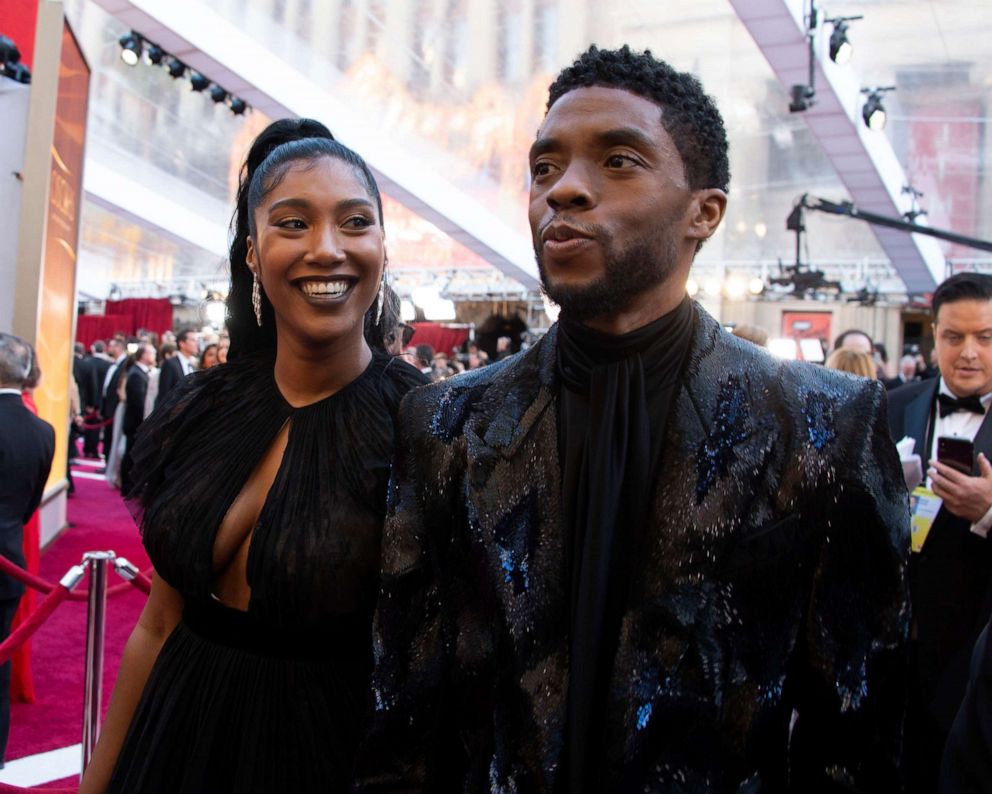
[(864, 160), (212, 45)]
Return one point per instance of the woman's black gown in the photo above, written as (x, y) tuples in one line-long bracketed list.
[(274, 698)]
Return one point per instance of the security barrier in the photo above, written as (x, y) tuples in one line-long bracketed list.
[(96, 597)]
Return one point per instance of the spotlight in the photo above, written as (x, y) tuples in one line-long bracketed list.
[(238, 106), (198, 82), (692, 287), (734, 288), (802, 98), (840, 48), (17, 72), (10, 65), (756, 286), (9, 54), (176, 68), (873, 112), (218, 94), (131, 48), (712, 287), (155, 54)]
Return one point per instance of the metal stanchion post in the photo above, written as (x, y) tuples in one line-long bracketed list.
[(95, 616)]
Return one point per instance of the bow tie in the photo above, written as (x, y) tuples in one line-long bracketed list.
[(949, 405)]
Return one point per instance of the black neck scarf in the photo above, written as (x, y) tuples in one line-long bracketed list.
[(615, 399)]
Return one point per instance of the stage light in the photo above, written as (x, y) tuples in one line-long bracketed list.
[(408, 312), (176, 68), (783, 348), (692, 287), (238, 106), (154, 54), (734, 288), (10, 65), (840, 48), (802, 98), (712, 287), (216, 311), (9, 54), (756, 286), (873, 111), (131, 48), (198, 82), (218, 94)]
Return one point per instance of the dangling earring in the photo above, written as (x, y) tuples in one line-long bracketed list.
[(256, 299), (380, 300)]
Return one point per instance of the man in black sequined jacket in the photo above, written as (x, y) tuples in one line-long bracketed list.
[(643, 555)]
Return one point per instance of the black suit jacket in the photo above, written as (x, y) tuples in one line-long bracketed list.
[(135, 392), (110, 397), (169, 377), (772, 578), (967, 767), (27, 445), (951, 577), (90, 372)]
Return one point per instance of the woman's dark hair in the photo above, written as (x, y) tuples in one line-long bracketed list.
[(246, 335), (270, 173)]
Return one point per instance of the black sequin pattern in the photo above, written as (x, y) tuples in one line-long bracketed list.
[(771, 579)]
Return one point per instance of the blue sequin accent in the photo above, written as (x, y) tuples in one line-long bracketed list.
[(644, 716), (819, 420), (515, 538), (452, 411), (716, 452)]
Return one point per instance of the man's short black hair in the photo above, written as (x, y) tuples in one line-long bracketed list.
[(184, 334), (688, 115), (961, 287)]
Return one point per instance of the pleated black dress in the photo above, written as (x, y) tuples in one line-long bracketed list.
[(273, 699)]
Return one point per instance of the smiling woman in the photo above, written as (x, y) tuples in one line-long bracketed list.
[(261, 495)]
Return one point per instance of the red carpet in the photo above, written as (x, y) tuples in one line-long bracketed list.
[(55, 720)]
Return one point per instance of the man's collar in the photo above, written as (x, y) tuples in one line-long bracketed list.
[(943, 388), (11, 391)]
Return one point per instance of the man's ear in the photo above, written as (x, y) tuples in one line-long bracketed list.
[(706, 211)]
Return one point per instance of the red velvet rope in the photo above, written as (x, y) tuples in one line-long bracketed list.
[(21, 634), (141, 581), (8, 789)]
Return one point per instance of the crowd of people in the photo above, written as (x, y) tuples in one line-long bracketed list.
[(639, 555), (117, 383)]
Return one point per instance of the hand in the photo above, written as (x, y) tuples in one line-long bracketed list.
[(965, 496)]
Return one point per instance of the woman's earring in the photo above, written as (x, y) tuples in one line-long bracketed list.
[(381, 299), (256, 298)]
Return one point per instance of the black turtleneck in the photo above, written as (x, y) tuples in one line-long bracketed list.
[(617, 391)]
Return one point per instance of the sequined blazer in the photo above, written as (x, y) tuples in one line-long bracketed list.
[(763, 648)]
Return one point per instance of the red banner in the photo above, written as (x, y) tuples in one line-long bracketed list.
[(17, 21)]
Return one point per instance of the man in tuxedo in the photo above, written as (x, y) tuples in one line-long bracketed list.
[(623, 559), (108, 389), (175, 369), (134, 409), (951, 575), (94, 369), (27, 445)]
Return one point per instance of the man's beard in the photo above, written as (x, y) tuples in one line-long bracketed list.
[(629, 271)]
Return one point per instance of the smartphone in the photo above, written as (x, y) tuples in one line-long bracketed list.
[(958, 453)]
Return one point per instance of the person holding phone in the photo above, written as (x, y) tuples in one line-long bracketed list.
[(951, 569)]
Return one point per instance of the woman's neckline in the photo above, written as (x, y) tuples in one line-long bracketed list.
[(333, 395)]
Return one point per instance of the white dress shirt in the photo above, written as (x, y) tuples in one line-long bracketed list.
[(185, 363), (960, 424)]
